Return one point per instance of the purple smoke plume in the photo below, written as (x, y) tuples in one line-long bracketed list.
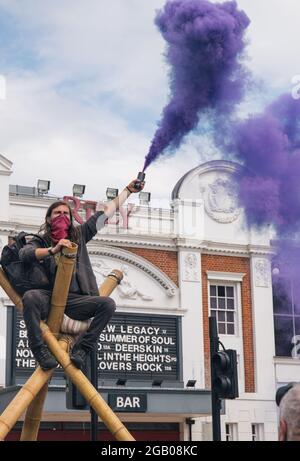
[(268, 145), (205, 46), (205, 50)]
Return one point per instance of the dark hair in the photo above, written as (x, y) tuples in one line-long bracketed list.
[(281, 391), (45, 229)]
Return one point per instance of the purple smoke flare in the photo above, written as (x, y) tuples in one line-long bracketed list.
[(287, 110), (268, 145), (205, 46), (205, 49), (287, 261)]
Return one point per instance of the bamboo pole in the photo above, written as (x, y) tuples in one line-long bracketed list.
[(88, 391), (110, 283), (11, 293), (34, 410), (61, 287), (39, 378), (59, 298), (24, 397)]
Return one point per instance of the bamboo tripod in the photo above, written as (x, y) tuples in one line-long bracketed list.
[(33, 393)]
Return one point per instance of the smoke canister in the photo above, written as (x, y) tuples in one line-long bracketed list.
[(140, 179)]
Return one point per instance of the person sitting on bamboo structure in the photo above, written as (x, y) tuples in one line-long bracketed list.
[(84, 302)]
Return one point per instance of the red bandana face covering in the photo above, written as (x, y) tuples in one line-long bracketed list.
[(59, 227)]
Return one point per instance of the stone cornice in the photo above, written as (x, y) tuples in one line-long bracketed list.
[(32, 201), (209, 247), (137, 240), (133, 240), (16, 227), (157, 242), (6, 164), (286, 361), (228, 276), (6, 229), (172, 243), (153, 310)]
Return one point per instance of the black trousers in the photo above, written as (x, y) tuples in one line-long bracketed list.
[(37, 305)]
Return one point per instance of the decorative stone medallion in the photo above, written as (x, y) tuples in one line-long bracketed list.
[(191, 268), (262, 273), (221, 201)]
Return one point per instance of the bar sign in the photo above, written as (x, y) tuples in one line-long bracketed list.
[(129, 403)]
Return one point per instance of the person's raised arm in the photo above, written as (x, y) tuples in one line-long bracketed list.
[(111, 207), (97, 221)]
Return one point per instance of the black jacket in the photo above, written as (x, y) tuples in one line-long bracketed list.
[(84, 272)]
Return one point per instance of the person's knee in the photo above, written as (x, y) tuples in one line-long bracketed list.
[(35, 302), (30, 298), (110, 305)]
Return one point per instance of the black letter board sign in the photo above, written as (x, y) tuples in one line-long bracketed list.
[(131, 347), (139, 347)]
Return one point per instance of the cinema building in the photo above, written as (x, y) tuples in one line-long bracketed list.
[(181, 265)]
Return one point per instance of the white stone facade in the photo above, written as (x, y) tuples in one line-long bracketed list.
[(203, 218)]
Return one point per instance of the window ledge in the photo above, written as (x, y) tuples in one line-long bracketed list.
[(225, 276)]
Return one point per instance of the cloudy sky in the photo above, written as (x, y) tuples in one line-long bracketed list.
[(86, 82)]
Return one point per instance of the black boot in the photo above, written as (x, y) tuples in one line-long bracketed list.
[(44, 358), (78, 356)]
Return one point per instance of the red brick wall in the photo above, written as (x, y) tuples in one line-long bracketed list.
[(166, 261), (231, 264)]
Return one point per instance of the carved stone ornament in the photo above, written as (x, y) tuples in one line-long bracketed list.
[(127, 288), (191, 268), (295, 353), (220, 201), (262, 273), (101, 269)]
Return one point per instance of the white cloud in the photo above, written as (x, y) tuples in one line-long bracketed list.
[(57, 120), (274, 41), (112, 47), (87, 109), (48, 136)]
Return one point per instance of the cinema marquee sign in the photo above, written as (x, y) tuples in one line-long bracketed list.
[(138, 347)]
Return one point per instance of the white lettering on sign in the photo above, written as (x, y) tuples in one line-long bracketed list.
[(140, 345), (128, 402), (23, 363), (24, 357), (137, 330), (153, 367), (149, 348), (115, 366)]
